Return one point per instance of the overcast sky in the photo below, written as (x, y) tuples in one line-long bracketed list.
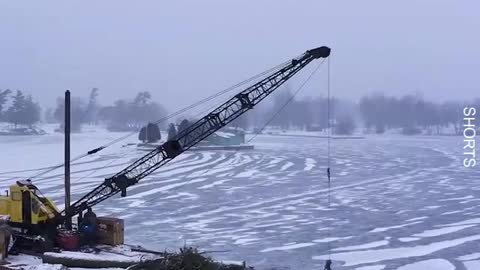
[(182, 51)]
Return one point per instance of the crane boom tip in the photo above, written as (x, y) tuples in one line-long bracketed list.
[(320, 52)]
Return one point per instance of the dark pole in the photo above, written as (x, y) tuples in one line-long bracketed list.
[(68, 220)]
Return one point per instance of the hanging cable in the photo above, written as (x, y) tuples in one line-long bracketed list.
[(258, 132), (125, 153), (177, 113), (328, 263), (207, 109), (198, 103)]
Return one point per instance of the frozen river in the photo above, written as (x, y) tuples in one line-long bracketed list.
[(396, 202)]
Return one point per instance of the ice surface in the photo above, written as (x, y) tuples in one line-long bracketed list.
[(276, 196), (451, 212), (457, 199), (288, 247), (472, 265), (248, 173), (465, 222), (439, 264), (384, 229), (363, 246), (246, 241), (331, 239), (376, 255), (468, 257), (286, 166), (417, 218), (309, 164), (371, 267), (438, 232), (408, 239)]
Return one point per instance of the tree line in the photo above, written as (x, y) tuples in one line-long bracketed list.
[(412, 114), (18, 108), (123, 115), (373, 113), (127, 115)]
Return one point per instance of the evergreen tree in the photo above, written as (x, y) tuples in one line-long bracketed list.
[(3, 99), (150, 133), (172, 131), (31, 112), (345, 125), (183, 125), (23, 110), (77, 113), (15, 112)]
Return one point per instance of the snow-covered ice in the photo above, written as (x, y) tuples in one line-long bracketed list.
[(441, 231), (377, 255), (472, 265), (371, 267), (408, 239), (363, 246), (330, 239), (395, 201), (288, 247), (309, 164), (468, 257), (384, 229), (429, 264)]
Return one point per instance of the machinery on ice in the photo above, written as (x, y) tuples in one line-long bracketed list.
[(39, 223)]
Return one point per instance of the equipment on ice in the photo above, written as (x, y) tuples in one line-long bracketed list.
[(36, 215)]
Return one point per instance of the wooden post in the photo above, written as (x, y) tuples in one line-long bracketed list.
[(68, 220), (3, 246)]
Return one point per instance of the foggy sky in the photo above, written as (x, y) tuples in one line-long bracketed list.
[(182, 51)]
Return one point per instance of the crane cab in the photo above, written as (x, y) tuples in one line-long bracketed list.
[(25, 207)]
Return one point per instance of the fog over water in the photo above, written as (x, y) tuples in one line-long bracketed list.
[(182, 51)]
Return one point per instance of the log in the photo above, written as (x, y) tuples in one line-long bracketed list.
[(86, 262), (147, 251)]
